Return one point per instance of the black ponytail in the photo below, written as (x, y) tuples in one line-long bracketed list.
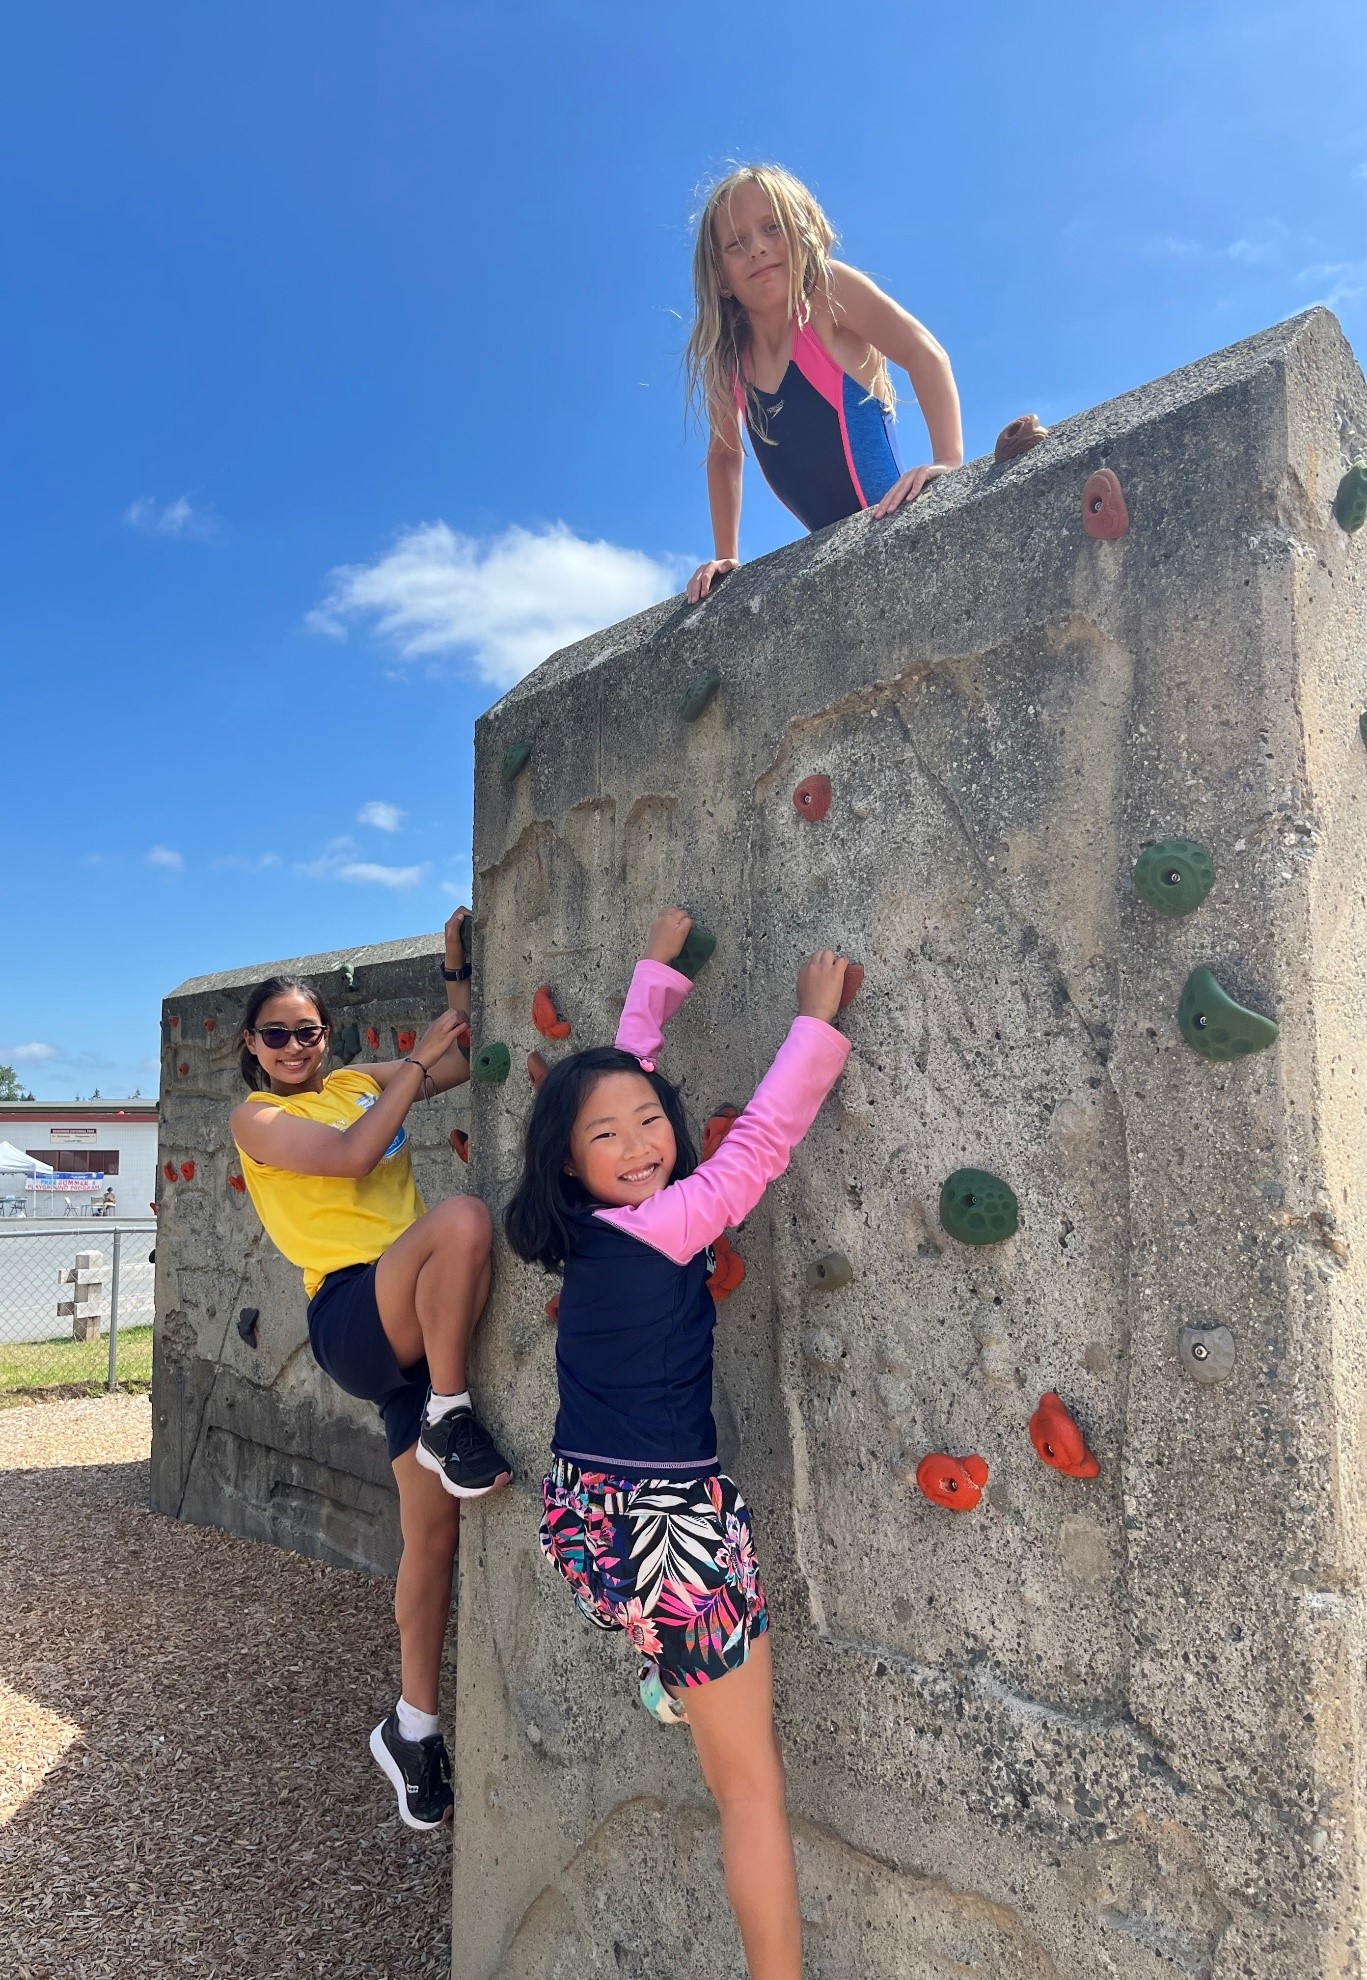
[(537, 1219), (274, 986)]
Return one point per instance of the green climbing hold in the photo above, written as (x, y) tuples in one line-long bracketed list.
[(1215, 1026), (515, 760), (1362, 725), (699, 696), (1350, 504), (346, 1043), (977, 1207), (491, 1064), (694, 952), (829, 1273), (1174, 876)]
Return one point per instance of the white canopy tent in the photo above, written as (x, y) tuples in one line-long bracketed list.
[(14, 1162)]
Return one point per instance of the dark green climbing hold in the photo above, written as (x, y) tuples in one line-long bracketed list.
[(515, 759), (829, 1272), (1362, 725), (1215, 1026), (699, 696), (977, 1207), (346, 1044), (1174, 876), (695, 951), (491, 1064), (1350, 504)]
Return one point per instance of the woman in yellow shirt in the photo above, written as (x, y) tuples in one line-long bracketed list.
[(395, 1291)]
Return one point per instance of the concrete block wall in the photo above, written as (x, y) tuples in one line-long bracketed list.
[(1092, 1728), (253, 1437)]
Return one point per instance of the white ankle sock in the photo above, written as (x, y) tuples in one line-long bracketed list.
[(439, 1406), (414, 1724)]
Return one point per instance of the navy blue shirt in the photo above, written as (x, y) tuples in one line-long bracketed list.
[(633, 1354)]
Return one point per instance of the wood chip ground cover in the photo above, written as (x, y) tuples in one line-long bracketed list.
[(184, 1782)]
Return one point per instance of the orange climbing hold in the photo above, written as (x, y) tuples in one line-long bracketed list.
[(728, 1272), (1018, 437), (955, 1483), (168, 1169), (854, 977), (211, 1024), (546, 1017), (406, 1040), (553, 1307), (716, 1128), (372, 1038), (537, 1068), (1058, 1440), (173, 1019), (183, 1069), (460, 1141), (812, 798), (1104, 514), (187, 1170), (238, 1183)]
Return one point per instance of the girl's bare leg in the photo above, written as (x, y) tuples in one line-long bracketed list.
[(732, 1722), (430, 1521), (431, 1287)]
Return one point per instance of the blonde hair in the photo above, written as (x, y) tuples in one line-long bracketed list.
[(720, 338)]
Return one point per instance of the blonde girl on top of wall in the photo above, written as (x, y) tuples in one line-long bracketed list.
[(793, 348)]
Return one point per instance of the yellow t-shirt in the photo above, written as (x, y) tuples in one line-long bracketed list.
[(322, 1223)]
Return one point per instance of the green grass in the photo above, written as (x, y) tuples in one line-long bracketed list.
[(73, 1368)]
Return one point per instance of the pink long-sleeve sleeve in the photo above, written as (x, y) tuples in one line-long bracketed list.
[(656, 992), (685, 1217)]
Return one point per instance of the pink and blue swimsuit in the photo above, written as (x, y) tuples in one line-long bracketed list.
[(828, 448)]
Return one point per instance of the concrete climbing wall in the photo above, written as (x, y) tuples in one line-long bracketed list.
[(1105, 1727), (247, 1434)]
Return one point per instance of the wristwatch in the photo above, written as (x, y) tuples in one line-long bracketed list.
[(460, 975)]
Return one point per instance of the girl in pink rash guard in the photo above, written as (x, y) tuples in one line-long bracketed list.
[(641, 1522)]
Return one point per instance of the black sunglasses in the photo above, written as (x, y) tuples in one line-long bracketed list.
[(278, 1036)]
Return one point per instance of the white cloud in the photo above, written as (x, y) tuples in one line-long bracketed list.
[(26, 1055), (163, 856), (244, 863), (1339, 282), (503, 603), (384, 817), (178, 518), (339, 863)]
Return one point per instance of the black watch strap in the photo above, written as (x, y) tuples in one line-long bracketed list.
[(460, 975)]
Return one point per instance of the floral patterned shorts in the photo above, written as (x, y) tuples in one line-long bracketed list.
[(669, 1561)]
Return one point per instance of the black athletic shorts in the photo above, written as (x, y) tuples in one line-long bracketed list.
[(351, 1347)]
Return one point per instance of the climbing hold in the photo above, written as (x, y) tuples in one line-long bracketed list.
[(346, 1046), (716, 1128), (405, 1040), (694, 952), (1018, 437), (211, 1024), (460, 1141), (728, 1270), (1362, 725), (372, 1038), (491, 1065), (183, 1069), (546, 1017), (1104, 514), (829, 1272), (1215, 1026), (1207, 1353), (977, 1207), (849, 989), (1058, 1441), (955, 1483), (553, 1307), (349, 975), (515, 759), (812, 798), (463, 1038), (168, 1169), (1350, 504), (237, 1183), (537, 1068), (246, 1324), (173, 1019), (187, 1170), (699, 696), (1174, 876)]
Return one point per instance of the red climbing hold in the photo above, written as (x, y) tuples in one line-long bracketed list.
[(187, 1170), (460, 1141), (406, 1040), (1104, 514), (183, 1069), (372, 1038), (956, 1483), (546, 1017), (854, 977), (537, 1068), (168, 1169), (211, 1024), (237, 1183), (728, 1273), (812, 798), (716, 1128), (553, 1307), (173, 1019), (1058, 1440), (1018, 436)]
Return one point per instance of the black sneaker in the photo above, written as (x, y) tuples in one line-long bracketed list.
[(421, 1772), (462, 1453)]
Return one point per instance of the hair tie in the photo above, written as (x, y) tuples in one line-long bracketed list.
[(646, 1065)]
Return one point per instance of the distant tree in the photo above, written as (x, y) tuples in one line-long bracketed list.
[(10, 1088)]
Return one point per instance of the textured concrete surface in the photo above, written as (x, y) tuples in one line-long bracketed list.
[(255, 1439), (1093, 1728)]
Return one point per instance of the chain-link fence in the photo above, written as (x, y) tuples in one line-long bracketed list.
[(75, 1307)]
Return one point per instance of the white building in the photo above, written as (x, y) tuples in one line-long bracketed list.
[(93, 1146)]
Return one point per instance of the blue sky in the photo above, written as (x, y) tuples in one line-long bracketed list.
[(341, 368)]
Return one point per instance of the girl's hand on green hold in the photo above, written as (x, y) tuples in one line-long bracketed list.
[(668, 933), (819, 984), (908, 486)]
